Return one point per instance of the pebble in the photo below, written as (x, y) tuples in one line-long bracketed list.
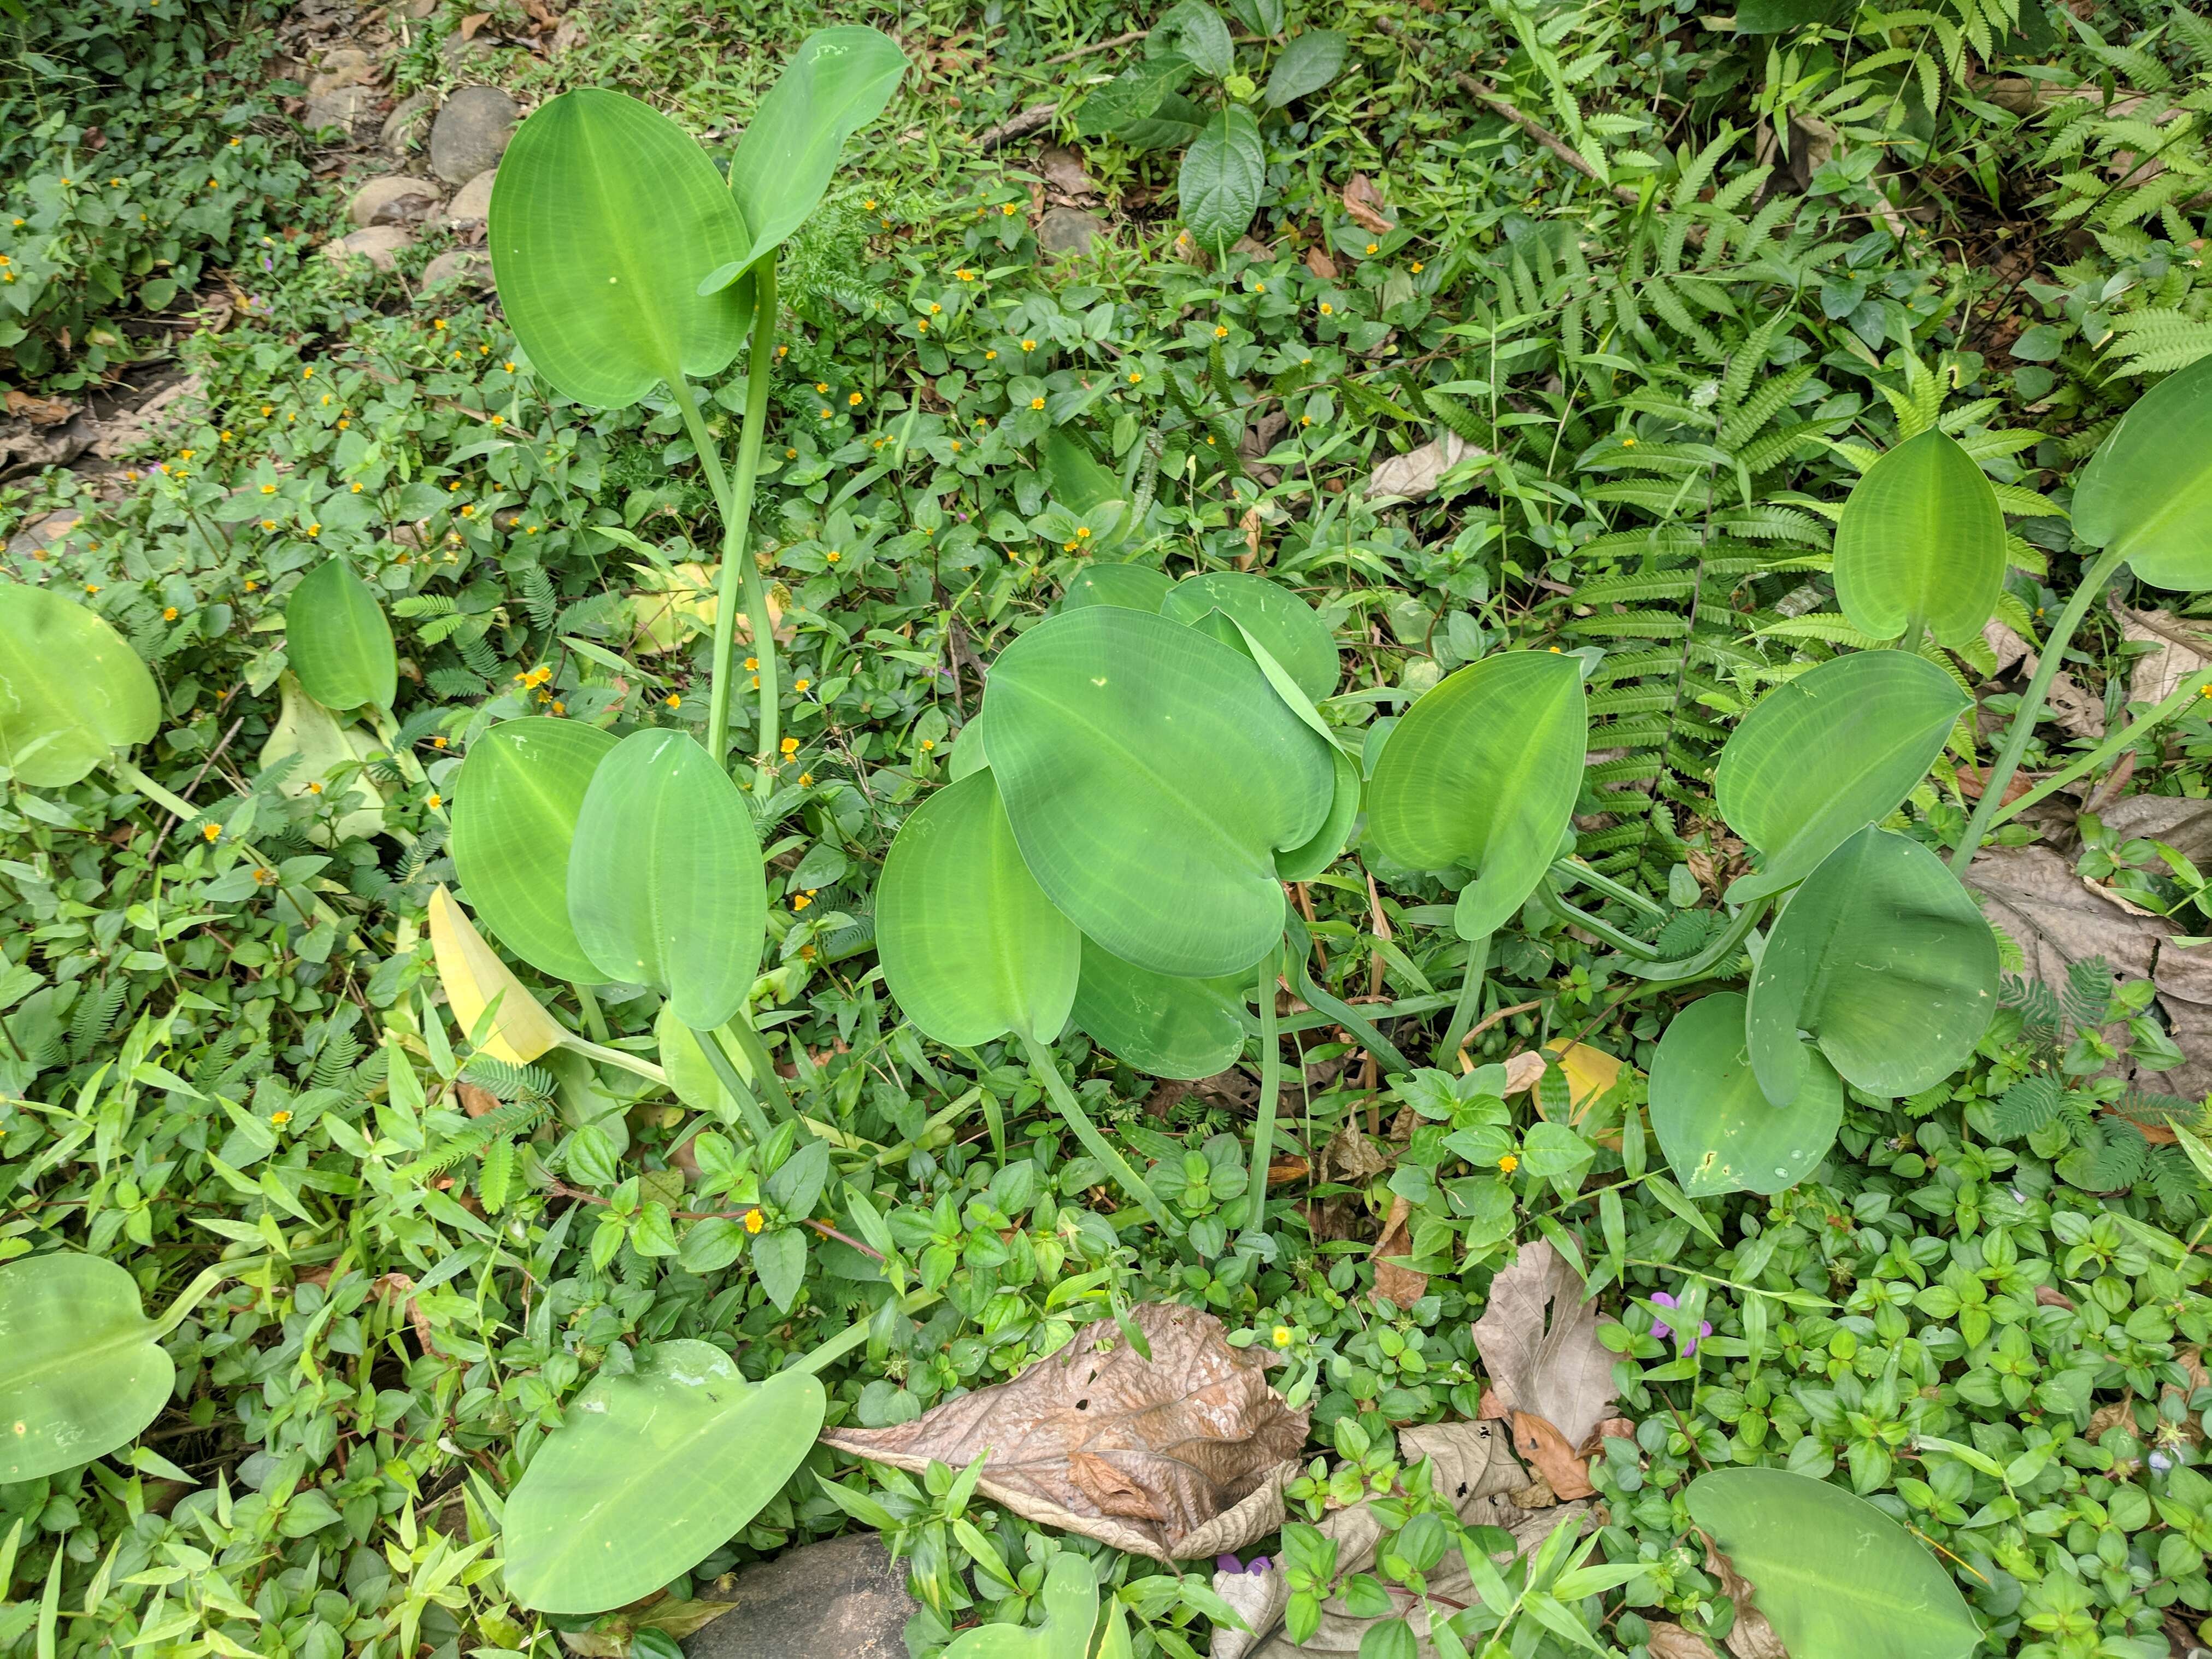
[(471, 133)]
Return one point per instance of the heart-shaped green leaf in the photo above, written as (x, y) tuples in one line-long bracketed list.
[(1920, 536), (1131, 587), (1876, 721), (836, 82), (605, 218), (1481, 775), (664, 881), (1151, 774), (1292, 629), (1309, 63), (1223, 170), (71, 692), (2147, 493), (1719, 1132), (338, 641), (1836, 1577), (1161, 1025), (1882, 960), (81, 1368), (649, 1472), (515, 806), (971, 947)]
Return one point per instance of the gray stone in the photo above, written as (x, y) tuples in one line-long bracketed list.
[(396, 200), (421, 8), (407, 128), (471, 203), (471, 131), (844, 1597), (462, 265), (1069, 230), (344, 66), (378, 244), (346, 108)]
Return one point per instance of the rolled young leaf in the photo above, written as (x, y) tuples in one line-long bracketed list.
[(473, 976), (1821, 756), (605, 217), (665, 881), (1151, 774), (515, 805), (1161, 1025), (649, 1472), (72, 693), (1719, 1132), (1481, 776), (971, 947), (338, 641), (836, 82), (1920, 536), (2147, 493), (1223, 170), (1881, 958)]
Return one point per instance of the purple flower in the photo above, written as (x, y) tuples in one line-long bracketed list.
[(1663, 1330), (2160, 1462), (1230, 1564)]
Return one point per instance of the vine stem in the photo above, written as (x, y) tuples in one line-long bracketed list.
[(739, 569), (2031, 706), (1071, 1108), (1271, 1088), (1470, 997)]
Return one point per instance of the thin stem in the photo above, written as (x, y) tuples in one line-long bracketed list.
[(1574, 916), (1597, 882), (616, 1057), (594, 1021), (1271, 1088), (2031, 706), (2187, 692), (1683, 969), (1470, 998), (856, 1334), (1097, 1146), (726, 1073), (184, 811), (770, 1080)]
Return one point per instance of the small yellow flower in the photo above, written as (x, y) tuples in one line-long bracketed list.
[(935, 309), (821, 386), (236, 142), (965, 276), (990, 357), (854, 398), (308, 372), (1036, 402), (315, 530), (1375, 247), (1136, 375), (790, 455), (753, 1220), (223, 437), (169, 613), (280, 1119), (212, 832), (1007, 208), (928, 743), (266, 524), (833, 556), (314, 789), (1416, 267), (1507, 1164), (956, 445), (674, 700), (801, 686), (438, 323), (560, 708), (1082, 532), (799, 902), (1628, 443), (1326, 309), (497, 421), (752, 662), (438, 743), (1259, 288), (509, 366), (1281, 1336), (92, 587), (254, 586), (469, 512), (268, 489), (868, 206), (923, 326), (1029, 345), (267, 409), (357, 488), (790, 747), (1221, 331), (806, 779), (436, 800)]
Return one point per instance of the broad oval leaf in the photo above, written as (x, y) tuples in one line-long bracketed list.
[(1131, 587), (1132, 95), (72, 693), (1921, 535), (605, 218), (836, 82), (515, 805), (648, 1472), (1836, 1577), (1719, 1132), (1481, 775), (473, 975), (1292, 629), (81, 1368), (1884, 962), (1223, 170), (1161, 1024), (1151, 774), (2147, 493), (311, 736), (665, 881), (338, 641), (970, 945), (1821, 756), (1309, 62), (1195, 29)]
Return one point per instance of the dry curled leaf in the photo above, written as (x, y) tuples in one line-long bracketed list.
[(1364, 204), (1183, 1454), (1415, 475), (1401, 1284), (39, 411), (1538, 1339), (1319, 262), (1671, 1641), (1552, 1454)]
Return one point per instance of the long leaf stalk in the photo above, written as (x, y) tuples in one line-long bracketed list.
[(1467, 1009), (726, 1073), (1070, 1110), (1271, 1091), (2190, 688), (2031, 707)]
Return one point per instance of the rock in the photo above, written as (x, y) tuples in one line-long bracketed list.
[(408, 127), (396, 200), (469, 265), (346, 108), (471, 203), (38, 539), (347, 66), (574, 30), (378, 244), (1069, 230), (419, 10), (1064, 172), (844, 1597), (470, 132)]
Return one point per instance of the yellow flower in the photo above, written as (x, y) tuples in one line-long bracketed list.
[(965, 276), (805, 779), (308, 372), (1326, 309), (790, 455), (833, 556), (169, 613), (854, 398), (497, 421), (252, 587), (753, 1219), (436, 800), (752, 662), (1375, 247), (990, 357), (868, 206), (799, 902), (790, 747), (509, 366), (1416, 267), (801, 686), (1007, 208), (266, 524), (1221, 331), (1136, 375), (1036, 402), (315, 530), (268, 489), (1628, 443), (223, 437), (1507, 1164), (438, 743), (1029, 345), (280, 1119), (92, 587), (928, 743), (822, 385), (1281, 1336), (560, 708), (212, 832), (1082, 532), (674, 700), (935, 309), (469, 512), (438, 323)]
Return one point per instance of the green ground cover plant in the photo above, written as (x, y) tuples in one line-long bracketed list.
[(601, 878)]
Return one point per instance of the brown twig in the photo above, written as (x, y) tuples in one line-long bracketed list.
[(1017, 126), (1097, 46), (1484, 93), (186, 793)]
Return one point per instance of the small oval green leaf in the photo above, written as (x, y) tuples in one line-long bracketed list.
[(1719, 1132), (72, 693), (338, 641), (515, 806), (1921, 535)]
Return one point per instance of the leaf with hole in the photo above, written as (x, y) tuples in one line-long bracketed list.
[(2147, 493), (649, 1472), (338, 641), (1480, 777), (1836, 1576), (1882, 960), (1921, 535), (515, 805), (1719, 1131), (72, 693), (1151, 773), (1877, 719), (605, 218), (665, 881)]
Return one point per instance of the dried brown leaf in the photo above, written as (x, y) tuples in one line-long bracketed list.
[(1415, 475), (1538, 1339), (1180, 1456), (1671, 1641), (1400, 1284), (1751, 1636), (473, 22), (1552, 1454), (1319, 262), (1364, 204)]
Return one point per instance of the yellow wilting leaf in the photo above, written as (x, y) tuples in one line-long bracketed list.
[(304, 727), (473, 974), (667, 601), (1590, 1071)]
